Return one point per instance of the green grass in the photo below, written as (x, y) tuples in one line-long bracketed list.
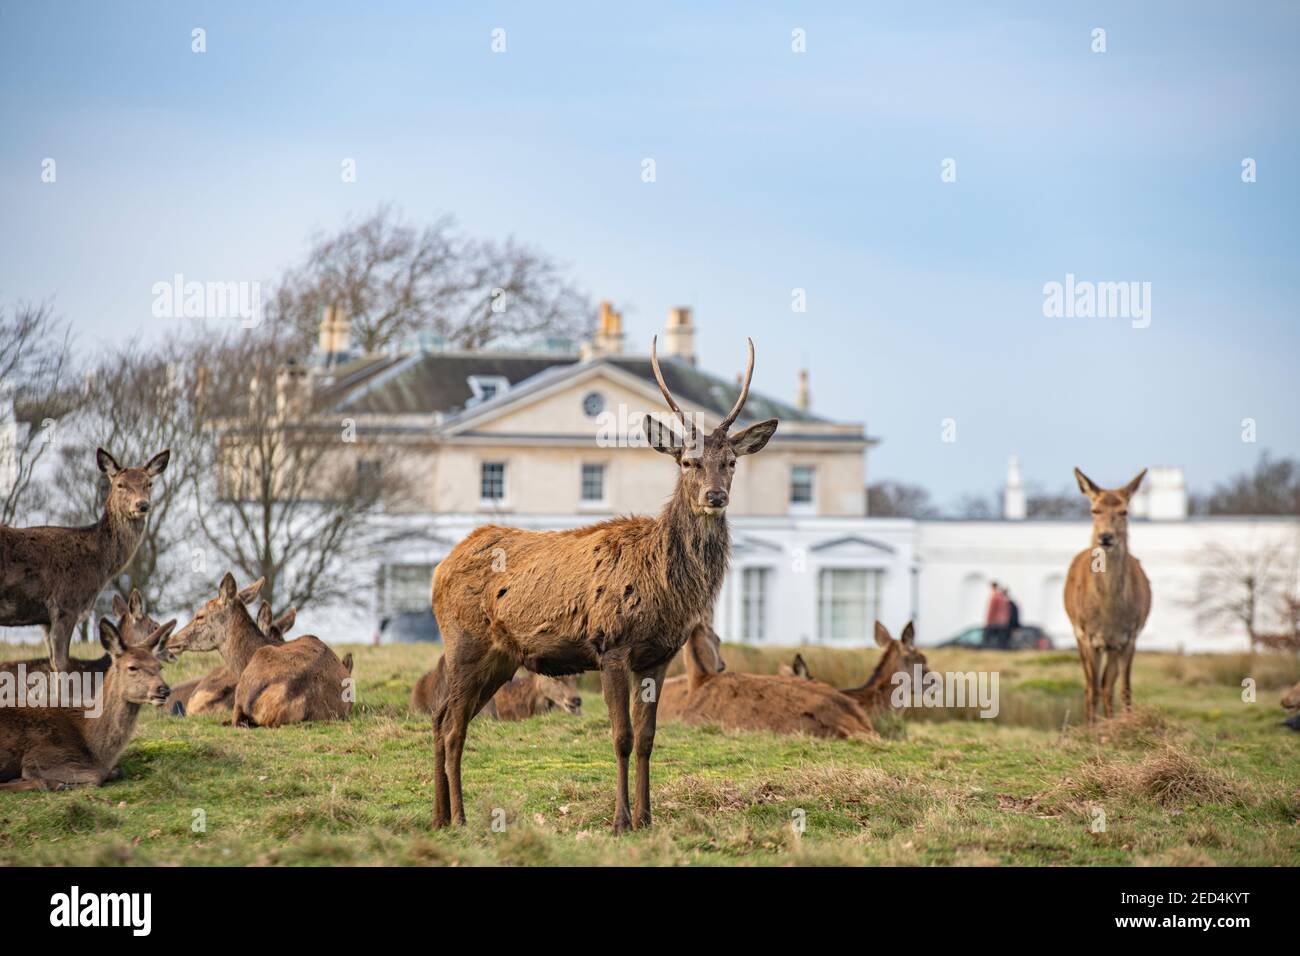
[(1196, 775)]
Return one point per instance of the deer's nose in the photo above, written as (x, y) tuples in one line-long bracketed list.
[(1107, 540), (716, 499), (142, 506)]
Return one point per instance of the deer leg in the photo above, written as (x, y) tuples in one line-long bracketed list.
[(24, 783), (1127, 686), (1085, 657), (1108, 682), (441, 793), (613, 682), (465, 697), (58, 635), (645, 707)]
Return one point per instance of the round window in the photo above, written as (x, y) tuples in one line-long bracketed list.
[(593, 404)]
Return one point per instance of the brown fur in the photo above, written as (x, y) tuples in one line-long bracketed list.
[(214, 692), (527, 695), (1291, 699), (875, 696), (51, 748), (51, 576), (133, 623), (778, 703), (288, 683), (1107, 607), (620, 596)]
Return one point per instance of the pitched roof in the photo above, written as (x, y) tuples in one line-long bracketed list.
[(426, 383)]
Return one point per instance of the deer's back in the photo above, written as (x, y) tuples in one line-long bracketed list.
[(97, 665), (288, 683), (782, 705), (39, 564), (422, 693), (49, 729)]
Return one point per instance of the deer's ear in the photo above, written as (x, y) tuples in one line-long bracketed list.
[(800, 668), (229, 589), (347, 661), (1086, 484), (661, 437), (157, 642), (285, 621), (106, 462), (111, 638), (158, 463), (136, 606), (908, 637), (1128, 490), (274, 634), (119, 606), (249, 594), (264, 618), (753, 438), (882, 635)]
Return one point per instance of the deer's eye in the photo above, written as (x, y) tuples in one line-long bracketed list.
[(1123, 514), (1095, 511)]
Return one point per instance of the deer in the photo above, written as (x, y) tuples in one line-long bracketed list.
[(526, 695), (1291, 703), (51, 576), (782, 704), (619, 597), (133, 623), (876, 695), (214, 692), (55, 748), (1107, 598)]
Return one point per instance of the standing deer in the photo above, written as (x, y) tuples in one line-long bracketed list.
[(876, 695), (51, 748), (214, 692), (619, 597), (51, 576), (782, 704), (133, 623), (1107, 597)]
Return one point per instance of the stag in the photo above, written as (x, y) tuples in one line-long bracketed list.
[(1107, 597), (620, 597)]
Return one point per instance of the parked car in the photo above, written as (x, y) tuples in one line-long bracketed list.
[(408, 627), (1027, 638)]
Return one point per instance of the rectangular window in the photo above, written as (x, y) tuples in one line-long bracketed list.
[(802, 478), (404, 588), (753, 603), (848, 603), (593, 484), (492, 482)]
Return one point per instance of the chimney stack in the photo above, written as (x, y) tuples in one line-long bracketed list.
[(803, 399), (1162, 495), (292, 391), (679, 338), (335, 336), (609, 334), (1013, 496)]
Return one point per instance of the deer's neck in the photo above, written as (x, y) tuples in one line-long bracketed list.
[(696, 550), (878, 685), (242, 643), (118, 535), (108, 734), (1113, 581)]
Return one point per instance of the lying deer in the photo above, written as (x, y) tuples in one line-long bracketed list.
[(777, 703), (527, 695), (618, 597), (52, 748), (52, 576), (1291, 703), (876, 695), (278, 683), (214, 692), (133, 623), (1107, 598)]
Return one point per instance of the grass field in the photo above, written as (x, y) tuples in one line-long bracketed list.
[(1195, 776)]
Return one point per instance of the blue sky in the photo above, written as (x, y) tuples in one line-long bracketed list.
[(775, 171)]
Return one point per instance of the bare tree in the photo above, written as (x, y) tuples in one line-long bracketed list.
[(394, 279), (1239, 588), (1063, 504), (896, 499), (281, 493), (1272, 488), (39, 387)]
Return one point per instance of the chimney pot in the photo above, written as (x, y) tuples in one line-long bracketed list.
[(679, 336)]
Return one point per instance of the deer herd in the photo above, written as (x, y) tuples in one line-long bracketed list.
[(522, 614)]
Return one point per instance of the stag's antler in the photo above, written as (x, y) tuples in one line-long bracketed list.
[(663, 387), (725, 424)]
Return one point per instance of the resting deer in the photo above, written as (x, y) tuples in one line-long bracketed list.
[(1291, 702), (1107, 598), (51, 748), (214, 692), (527, 695), (51, 576), (133, 623), (618, 597), (775, 702), (876, 695)]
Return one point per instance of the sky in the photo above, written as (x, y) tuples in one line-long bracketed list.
[(775, 170)]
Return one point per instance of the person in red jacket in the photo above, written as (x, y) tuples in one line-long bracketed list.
[(997, 631)]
